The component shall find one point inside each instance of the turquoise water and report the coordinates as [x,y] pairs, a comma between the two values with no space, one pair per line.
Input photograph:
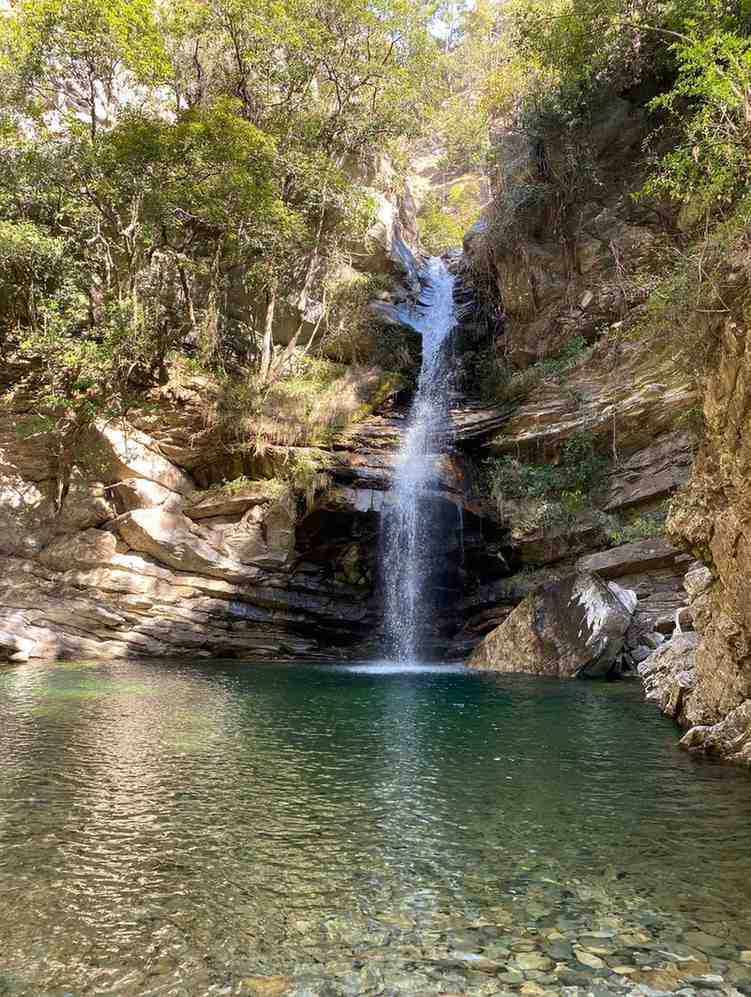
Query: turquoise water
[223,828]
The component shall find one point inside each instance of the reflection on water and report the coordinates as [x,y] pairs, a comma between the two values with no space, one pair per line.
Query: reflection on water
[175,829]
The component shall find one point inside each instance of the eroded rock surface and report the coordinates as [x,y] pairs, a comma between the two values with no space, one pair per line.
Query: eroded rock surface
[712,519]
[668,675]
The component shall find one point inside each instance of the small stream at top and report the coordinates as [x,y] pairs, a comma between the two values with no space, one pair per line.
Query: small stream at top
[410,546]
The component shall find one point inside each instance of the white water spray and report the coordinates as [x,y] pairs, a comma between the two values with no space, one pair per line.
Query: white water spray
[408,539]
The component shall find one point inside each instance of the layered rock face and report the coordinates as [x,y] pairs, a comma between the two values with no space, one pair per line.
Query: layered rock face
[632,392]
[713,520]
[584,285]
[141,563]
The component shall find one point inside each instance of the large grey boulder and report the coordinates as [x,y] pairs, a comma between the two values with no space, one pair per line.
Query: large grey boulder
[570,628]
[140,493]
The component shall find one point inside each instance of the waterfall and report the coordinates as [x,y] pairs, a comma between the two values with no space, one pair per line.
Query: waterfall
[409,544]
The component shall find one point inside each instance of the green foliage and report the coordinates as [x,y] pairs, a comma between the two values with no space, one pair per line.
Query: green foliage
[305,473]
[709,106]
[461,120]
[692,420]
[438,229]
[171,173]
[36,276]
[559,62]
[563,57]
[265,488]
[70,55]
[686,307]
[444,218]
[353,336]
[464,128]
[579,471]
[307,407]
[643,527]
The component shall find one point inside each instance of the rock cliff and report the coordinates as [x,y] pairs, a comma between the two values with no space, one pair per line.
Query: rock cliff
[712,519]
[629,342]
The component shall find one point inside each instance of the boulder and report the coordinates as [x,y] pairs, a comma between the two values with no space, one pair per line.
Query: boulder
[383,248]
[173,539]
[474,236]
[652,473]
[230,502]
[86,505]
[730,738]
[265,535]
[642,555]
[26,514]
[668,674]
[569,628]
[129,453]
[85,549]
[618,127]
[697,580]
[140,493]
[13,647]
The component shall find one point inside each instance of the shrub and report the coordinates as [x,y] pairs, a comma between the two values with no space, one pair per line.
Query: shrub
[709,106]
[350,333]
[578,473]
[642,528]
[304,409]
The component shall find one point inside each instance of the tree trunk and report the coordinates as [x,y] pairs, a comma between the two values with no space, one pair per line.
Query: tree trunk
[268,334]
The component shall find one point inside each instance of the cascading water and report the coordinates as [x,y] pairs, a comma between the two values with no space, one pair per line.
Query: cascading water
[408,540]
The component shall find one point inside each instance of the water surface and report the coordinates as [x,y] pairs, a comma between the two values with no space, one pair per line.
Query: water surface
[186,829]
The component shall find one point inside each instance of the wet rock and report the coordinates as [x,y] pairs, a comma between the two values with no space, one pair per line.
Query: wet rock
[13,647]
[729,738]
[532,961]
[559,949]
[572,628]
[511,976]
[589,959]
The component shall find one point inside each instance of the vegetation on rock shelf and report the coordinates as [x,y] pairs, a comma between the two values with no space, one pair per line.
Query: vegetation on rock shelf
[551,496]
